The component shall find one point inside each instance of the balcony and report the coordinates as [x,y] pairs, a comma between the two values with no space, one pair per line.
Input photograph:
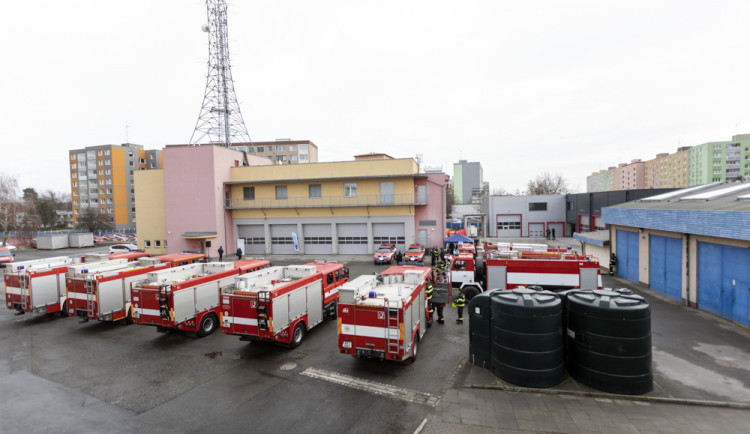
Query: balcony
[328,201]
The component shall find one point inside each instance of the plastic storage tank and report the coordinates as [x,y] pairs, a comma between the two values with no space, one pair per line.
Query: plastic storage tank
[480,326]
[608,340]
[527,341]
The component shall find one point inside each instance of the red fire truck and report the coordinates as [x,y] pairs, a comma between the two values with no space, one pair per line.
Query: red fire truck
[186,297]
[513,265]
[384,316]
[280,304]
[101,290]
[37,285]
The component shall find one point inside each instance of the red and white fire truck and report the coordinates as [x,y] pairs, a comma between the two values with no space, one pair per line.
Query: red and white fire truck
[101,290]
[384,316]
[513,265]
[280,304]
[186,297]
[37,285]
[176,259]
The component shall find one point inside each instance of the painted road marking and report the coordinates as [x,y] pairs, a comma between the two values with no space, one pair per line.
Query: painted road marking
[373,387]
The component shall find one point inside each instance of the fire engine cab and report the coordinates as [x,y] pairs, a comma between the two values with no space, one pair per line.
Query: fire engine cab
[186,297]
[37,285]
[280,304]
[384,316]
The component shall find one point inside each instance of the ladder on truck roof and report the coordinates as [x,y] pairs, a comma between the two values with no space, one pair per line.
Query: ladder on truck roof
[23,282]
[90,285]
[392,326]
[261,309]
[164,302]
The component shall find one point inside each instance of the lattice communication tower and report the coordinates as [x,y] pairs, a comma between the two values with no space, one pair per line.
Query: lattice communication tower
[220,120]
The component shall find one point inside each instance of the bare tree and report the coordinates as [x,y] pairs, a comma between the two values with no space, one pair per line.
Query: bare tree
[547,183]
[9,205]
[93,221]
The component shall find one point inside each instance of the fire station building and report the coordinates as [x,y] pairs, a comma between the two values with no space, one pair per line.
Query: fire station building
[206,196]
[692,245]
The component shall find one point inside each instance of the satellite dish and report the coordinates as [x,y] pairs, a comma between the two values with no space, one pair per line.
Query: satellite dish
[205,28]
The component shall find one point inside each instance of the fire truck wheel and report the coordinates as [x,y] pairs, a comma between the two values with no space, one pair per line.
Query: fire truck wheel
[208,325]
[298,335]
[470,292]
[414,350]
[64,311]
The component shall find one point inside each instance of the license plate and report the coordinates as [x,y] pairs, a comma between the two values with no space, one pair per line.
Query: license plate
[346,344]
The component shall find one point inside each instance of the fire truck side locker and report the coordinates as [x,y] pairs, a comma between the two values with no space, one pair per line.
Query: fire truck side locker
[190,302]
[497,277]
[47,290]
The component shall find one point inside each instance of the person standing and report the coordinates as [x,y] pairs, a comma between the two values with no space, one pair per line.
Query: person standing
[239,253]
[221,252]
[459,304]
[548,233]
[553,233]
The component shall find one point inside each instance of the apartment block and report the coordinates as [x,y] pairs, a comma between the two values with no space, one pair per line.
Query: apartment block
[282,151]
[721,161]
[668,170]
[101,178]
[467,177]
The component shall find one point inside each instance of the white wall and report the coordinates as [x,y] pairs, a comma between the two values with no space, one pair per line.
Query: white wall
[520,205]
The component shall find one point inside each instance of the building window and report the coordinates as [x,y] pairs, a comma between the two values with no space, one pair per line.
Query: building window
[142,160]
[72,156]
[157,243]
[73,166]
[148,243]
[350,190]
[537,206]
[303,147]
[315,190]
[248,193]
[107,162]
[292,148]
[260,148]
[280,148]
[281,158]
[293,158]
[303,157]
[101,162]
[281,192]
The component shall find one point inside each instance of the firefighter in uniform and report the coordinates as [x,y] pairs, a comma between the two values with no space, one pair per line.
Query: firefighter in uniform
[612,264]
[434,306]
[459,304]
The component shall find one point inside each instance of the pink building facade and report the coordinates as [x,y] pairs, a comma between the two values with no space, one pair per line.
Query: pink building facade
[194,178]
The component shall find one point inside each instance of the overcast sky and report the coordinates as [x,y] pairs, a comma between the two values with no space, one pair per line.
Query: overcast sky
[523,87]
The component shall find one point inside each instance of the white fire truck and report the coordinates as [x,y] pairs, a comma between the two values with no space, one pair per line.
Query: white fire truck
[186,297]
[280,304]
[37,285]
[384,316]
[101,290]
[512,265]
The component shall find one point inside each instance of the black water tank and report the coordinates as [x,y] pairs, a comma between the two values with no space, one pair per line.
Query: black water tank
[479,330]
[527,341]
[608,340]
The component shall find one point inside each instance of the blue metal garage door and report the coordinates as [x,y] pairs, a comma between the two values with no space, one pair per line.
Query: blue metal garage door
[627,255]
[724,281]
[665,265]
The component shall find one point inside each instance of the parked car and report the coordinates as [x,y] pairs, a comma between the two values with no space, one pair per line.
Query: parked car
[385,254]
[10,247]
[120,248]
[6,255]
[415,253]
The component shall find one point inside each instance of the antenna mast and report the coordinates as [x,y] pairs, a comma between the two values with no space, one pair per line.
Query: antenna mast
[220,120]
